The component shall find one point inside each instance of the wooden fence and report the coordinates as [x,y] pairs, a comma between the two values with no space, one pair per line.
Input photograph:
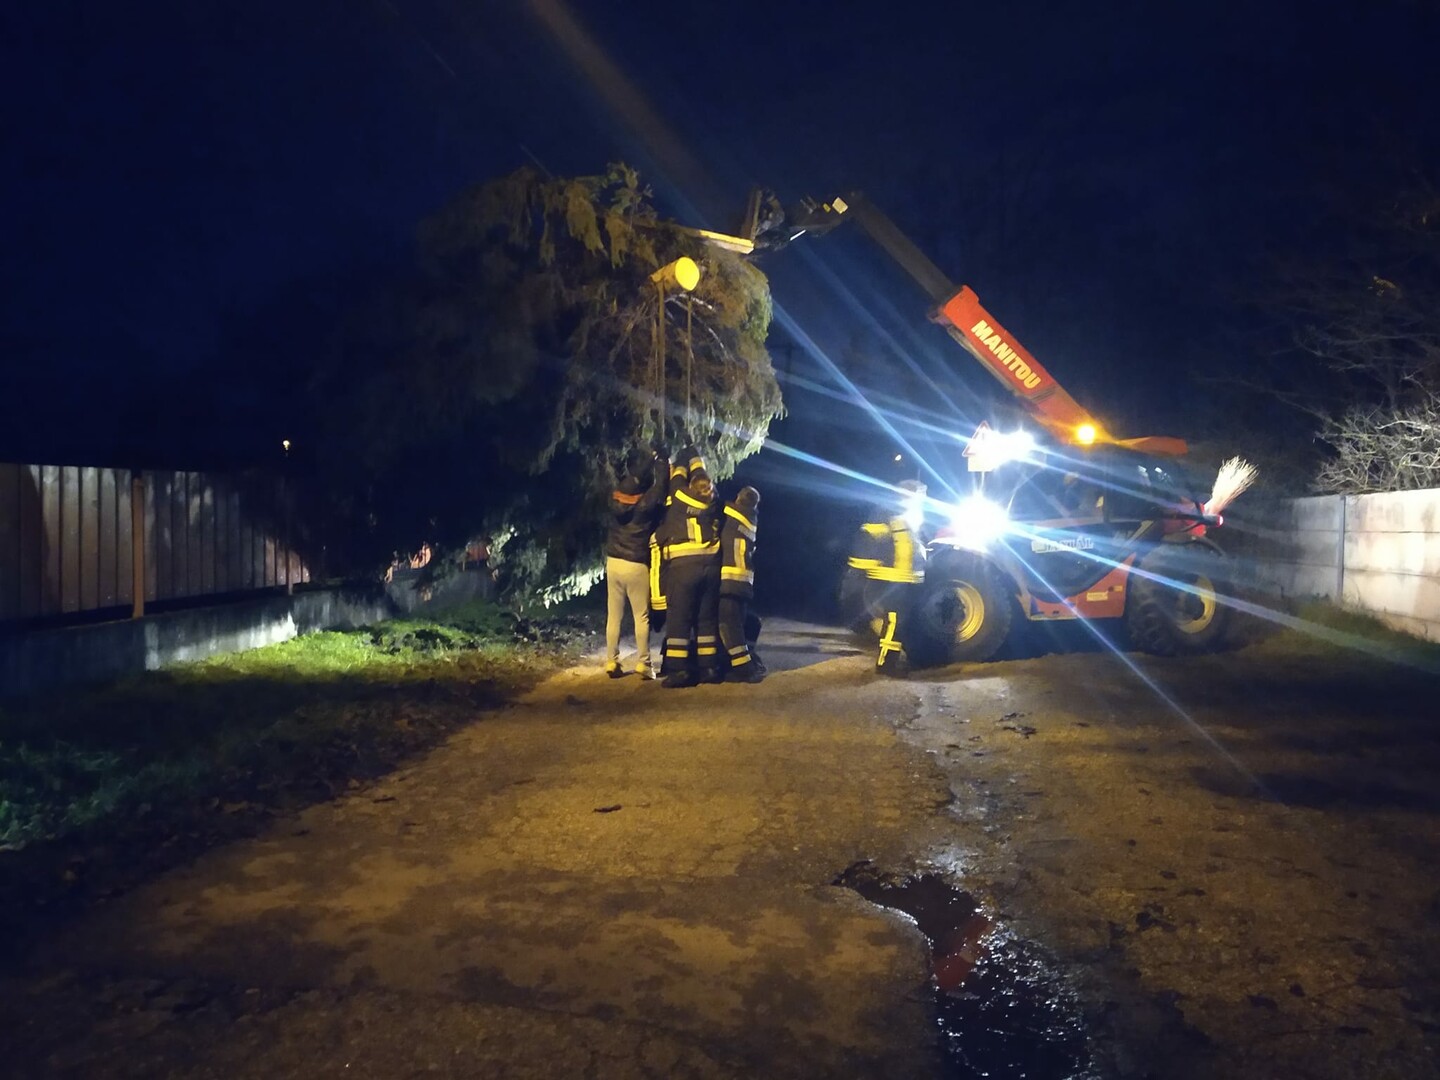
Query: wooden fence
[76,539]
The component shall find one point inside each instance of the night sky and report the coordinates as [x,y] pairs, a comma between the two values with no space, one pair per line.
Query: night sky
[193,191]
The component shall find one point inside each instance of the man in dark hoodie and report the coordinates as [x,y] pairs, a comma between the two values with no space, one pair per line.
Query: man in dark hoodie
[635,509]
[737,584]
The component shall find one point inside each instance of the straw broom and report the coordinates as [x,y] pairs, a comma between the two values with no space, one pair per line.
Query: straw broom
[1234,477]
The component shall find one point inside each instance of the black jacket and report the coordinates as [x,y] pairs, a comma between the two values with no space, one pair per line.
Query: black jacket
[887,550]
[633,518]
[737,551]
[691,526]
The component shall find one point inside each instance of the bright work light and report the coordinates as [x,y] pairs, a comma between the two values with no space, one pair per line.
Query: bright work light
[977,522]
[1016,446]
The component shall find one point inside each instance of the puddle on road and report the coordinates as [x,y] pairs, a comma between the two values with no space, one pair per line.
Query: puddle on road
[1002,1009]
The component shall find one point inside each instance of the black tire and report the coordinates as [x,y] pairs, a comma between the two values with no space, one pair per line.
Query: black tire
[862,604]
[965,612]
[1174,606]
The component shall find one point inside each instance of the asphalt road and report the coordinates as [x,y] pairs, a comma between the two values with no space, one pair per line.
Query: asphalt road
[1229,864]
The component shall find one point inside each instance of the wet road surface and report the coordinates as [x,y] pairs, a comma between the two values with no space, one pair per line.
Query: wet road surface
[610,879]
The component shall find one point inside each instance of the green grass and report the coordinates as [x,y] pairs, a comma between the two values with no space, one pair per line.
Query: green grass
[272,726]
[1335,638]
[1333,633]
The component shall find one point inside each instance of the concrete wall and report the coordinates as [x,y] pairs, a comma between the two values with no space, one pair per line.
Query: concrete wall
[1392,559]
[1379,554]
[411,591]
[73,656]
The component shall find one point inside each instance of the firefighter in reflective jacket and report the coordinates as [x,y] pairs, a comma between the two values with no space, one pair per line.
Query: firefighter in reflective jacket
[889,550]
[689,539]
[737,583]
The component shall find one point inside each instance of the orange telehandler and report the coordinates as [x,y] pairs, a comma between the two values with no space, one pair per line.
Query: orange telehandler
[1077,525]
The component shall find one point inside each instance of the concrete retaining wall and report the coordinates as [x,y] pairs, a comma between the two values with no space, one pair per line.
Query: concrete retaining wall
[1379,554]
[48,659]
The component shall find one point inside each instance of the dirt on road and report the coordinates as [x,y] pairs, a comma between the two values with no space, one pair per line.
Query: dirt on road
[1221,867]
[1236,855]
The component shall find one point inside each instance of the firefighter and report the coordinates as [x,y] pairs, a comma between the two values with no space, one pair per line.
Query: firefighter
[689,539]
[889,550]
[737,584]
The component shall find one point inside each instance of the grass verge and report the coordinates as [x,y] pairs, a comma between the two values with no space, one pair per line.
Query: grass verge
[100,787]
[1326,630]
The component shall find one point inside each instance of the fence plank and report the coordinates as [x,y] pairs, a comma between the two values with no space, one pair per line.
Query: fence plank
[158,523]
[272,562]
[124,553]
[204,505]
[88,522]
[151,541]
[69,538]
[179,536]
[105,581]
[257,534]
[9,542]
[220,497]
[32,542]
[237,538]
[287,574]
[194,537]
[247,534]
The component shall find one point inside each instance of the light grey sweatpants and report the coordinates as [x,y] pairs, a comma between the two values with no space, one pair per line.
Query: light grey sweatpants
[625,579]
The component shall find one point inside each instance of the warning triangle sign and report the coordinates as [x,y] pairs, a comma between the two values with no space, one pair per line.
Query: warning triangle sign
[979,442]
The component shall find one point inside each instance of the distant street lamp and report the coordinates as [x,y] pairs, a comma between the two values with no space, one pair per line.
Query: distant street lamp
[684,274]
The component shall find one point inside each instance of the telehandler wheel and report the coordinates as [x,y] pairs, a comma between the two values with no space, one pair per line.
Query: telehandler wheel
[964,613]
[862,604]
[1174,607]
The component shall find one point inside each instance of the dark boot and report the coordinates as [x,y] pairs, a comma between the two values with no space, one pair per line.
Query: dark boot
[746,673]
[894,665]
[679,679]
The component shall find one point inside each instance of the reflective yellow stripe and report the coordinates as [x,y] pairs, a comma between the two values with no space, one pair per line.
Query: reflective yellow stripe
[740,650]
[696,463]
[890,573]
[698,548]
[677,654]
[904,551]
[888,644]
[706,650]
[690,500]
[745,522]
[863,564]
[677,470]
[875,528]
[740,660]
[706,639]
[738,572]
[657,598]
